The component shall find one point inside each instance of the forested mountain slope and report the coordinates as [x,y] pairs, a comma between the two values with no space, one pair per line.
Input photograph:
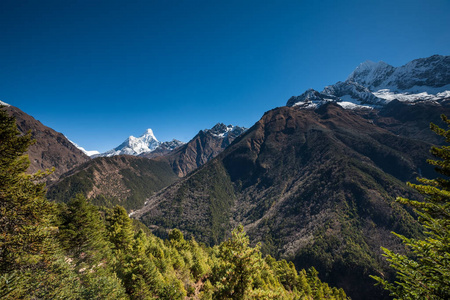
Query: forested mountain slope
[124,179]
[314,186]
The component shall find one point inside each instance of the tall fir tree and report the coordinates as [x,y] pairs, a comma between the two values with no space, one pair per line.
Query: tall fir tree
[425,274]
[24,213]
[31,265]
[82,234]
[239,264]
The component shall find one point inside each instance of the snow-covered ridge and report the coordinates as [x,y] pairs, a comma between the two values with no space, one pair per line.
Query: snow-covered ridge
[87,152]
[414,77]
[145,143]
[372,85]
[4,103]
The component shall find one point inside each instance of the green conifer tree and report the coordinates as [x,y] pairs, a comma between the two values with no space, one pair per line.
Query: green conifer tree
[239,264]
[83,235]
[426,275]
[120,229]
[31,263]
[24,212]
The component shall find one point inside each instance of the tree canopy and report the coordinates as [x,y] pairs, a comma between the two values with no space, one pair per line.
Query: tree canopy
[424,273]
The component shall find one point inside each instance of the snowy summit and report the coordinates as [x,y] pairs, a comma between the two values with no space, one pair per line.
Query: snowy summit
[374,84]
[147,142]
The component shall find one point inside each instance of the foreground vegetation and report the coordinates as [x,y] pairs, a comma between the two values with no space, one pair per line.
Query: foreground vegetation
[425,272]
[80,251]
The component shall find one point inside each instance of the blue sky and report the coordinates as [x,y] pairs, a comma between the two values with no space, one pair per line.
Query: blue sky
[99,71]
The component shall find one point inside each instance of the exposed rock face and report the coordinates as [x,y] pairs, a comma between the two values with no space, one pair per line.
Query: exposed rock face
[206,145]
[314,186]
[374,85]
[433,71]
[51,149]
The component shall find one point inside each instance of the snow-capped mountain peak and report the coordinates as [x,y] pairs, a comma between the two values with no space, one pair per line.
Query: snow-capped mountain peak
[147,142]
[370,73]
[374,84]
[148,135]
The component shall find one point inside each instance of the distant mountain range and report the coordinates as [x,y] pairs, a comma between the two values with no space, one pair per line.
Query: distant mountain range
[373,85]
[130,180]
[147,145]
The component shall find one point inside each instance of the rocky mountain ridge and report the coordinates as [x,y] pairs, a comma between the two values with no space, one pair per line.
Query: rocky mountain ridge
[51,149]
[124,180]
[130,180]
[203,147]
[373,85]
[147,145]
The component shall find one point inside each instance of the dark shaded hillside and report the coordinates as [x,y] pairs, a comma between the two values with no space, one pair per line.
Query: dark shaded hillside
[412,121]
[51,149]
[316,187]
[124,180]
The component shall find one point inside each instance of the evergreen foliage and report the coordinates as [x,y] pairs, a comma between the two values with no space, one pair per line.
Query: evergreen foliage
[425,272]
[30,259]
[24,213]
[80,251]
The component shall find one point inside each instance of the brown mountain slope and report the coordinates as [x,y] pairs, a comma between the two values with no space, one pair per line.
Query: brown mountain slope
[202,148]
[52,149]
[316,187]
[413,120]
[123,179]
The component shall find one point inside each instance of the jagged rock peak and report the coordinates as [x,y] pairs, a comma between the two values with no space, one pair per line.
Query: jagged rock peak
[170,145]
[373,85]
[310,99]
[222,130]
[369,72]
